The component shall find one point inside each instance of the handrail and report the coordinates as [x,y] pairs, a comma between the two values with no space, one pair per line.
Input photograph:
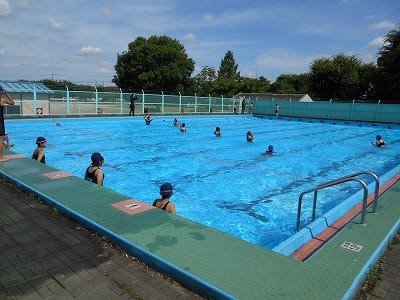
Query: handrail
[376,185]
[329,184]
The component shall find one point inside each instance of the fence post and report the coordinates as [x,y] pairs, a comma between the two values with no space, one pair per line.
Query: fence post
[222,104]
[329,109]
[377,111]
[120,98]
[162,102]
[142,102]
[34,100]
[195,102]
[180,103]
[97,101]
[290,104]
[209,103]
[67,100]
[352,111]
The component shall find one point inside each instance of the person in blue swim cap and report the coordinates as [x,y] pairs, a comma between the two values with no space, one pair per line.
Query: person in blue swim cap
[94,173]
[379,142]
[217,131]
[249,136]
[269,150]
[38,154]
[166,191]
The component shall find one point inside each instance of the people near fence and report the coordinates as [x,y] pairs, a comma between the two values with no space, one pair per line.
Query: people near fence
[166,191]
[276,109]
[39,154]
[251,108]
[182,128]
[148,119]
[132,105]
[235,109]
[6,142]
[94,173]
[177,122]
[5,98]
[379,142]
[269,151]
[217,131]
[249,136]
[243,105]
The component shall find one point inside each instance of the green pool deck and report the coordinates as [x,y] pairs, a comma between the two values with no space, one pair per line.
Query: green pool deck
[206,260]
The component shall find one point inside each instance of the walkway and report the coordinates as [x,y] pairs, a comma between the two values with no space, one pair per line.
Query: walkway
[46,256]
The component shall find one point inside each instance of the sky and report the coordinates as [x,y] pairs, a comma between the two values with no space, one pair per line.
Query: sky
[79,40]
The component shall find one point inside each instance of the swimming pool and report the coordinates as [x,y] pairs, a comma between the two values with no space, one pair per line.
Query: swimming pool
[221,182]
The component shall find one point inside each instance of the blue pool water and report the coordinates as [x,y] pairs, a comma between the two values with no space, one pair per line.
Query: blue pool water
[221,182]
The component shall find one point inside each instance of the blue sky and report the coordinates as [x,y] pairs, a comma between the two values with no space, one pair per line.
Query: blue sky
[79,40]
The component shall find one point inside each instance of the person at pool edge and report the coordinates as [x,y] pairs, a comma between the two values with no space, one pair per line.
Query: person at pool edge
[249,136]
[177,122]
[6,142]
[379,142]
[166,191]
[276,109]
[38,154]
[269,150]
[217,131]
[5,98]
[94,173]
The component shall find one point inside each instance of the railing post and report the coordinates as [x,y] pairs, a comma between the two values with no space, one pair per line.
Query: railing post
[314,207]
[180,103]
[352,111]
[377,111]
[209,103]
[142,102]
[329,109]
[34,99]
[222,104]
[162,102]
[120,97]
[68,112]
[97,101]
[195,102]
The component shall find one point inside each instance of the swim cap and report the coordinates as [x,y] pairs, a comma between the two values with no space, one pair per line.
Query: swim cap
[217,128]
[378,137]
[249,133]
[166,190]
[96,157]
[270,148]
[40,140]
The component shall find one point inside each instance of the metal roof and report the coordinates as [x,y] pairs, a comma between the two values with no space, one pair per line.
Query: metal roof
[21,87]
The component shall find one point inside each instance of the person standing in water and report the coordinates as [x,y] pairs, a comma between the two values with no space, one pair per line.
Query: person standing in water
[38,154]
[94,173]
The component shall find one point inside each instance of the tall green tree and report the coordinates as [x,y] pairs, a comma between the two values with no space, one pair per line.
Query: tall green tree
[336,78]
[228,67]
[158,63]
[291,84]
[388,81]
[254,85]
[204,80]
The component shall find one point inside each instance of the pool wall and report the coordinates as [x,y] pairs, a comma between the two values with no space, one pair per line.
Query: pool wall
[366,112]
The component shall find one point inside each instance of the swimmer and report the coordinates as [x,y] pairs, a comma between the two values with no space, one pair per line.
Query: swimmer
[379,142]
[94,173]
[217,131]
[38,154]
[183,127]
[269,150]
[166,191]
[148,119]
[249,136]
[176,122]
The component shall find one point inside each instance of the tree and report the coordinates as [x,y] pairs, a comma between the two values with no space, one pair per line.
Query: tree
[228,67]
[204,80]
[388,81]
[291,84]
[254,85]
[156,63]
[336,78]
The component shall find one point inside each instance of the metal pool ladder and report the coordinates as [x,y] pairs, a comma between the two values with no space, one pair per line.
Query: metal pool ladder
[351,177]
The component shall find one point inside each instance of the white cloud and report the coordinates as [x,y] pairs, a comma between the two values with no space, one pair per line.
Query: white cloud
[2,51]
[284,60]
[208,17]
[5,9]
[90,50]
[189,37]
[383,25]
[56,24]
[107,12]
[378,42]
